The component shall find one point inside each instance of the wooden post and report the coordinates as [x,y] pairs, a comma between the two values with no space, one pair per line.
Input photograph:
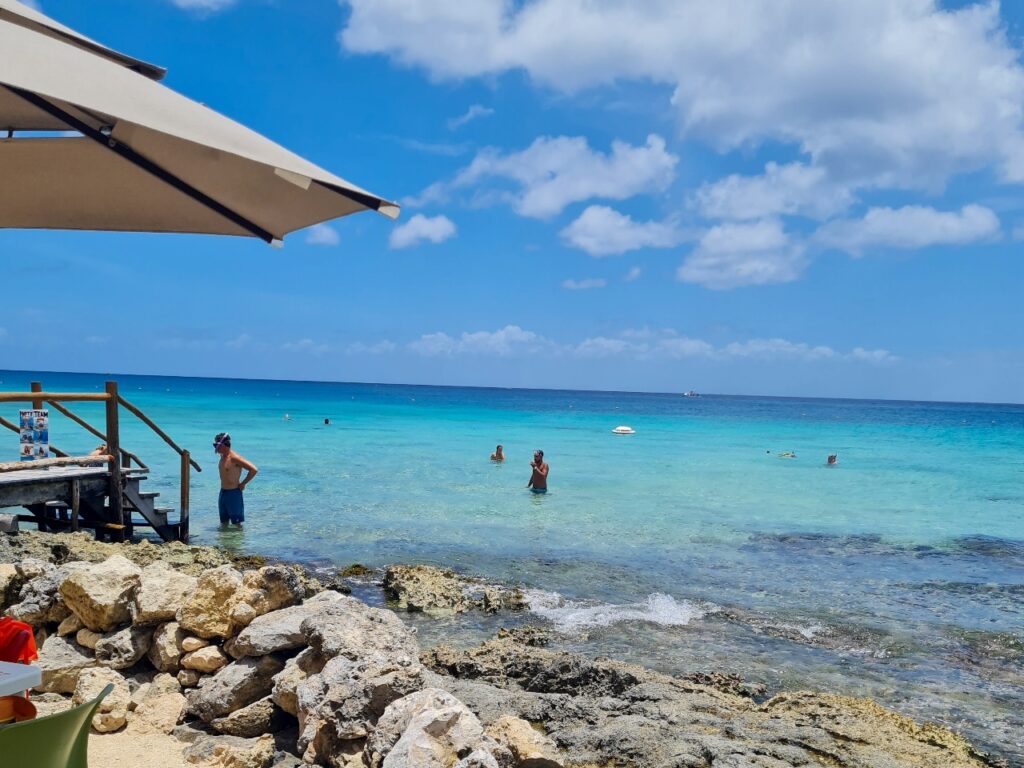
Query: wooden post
[76,498]
[114,449]
[36,387]
[186,469]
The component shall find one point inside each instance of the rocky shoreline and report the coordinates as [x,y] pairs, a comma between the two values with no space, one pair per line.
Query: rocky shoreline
[254,665]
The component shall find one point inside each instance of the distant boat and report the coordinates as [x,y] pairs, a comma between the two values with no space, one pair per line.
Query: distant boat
[623,430]
[690,393]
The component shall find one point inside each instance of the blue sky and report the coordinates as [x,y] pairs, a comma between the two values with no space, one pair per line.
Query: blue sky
[730,196]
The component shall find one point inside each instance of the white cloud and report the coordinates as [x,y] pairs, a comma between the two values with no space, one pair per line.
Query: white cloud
[307,346]
[793,189]
[474,112]
[322,234]
[503,342]
[769,349]
[239,342]
[633,274]
[872,355]
[912,226]
[378,348]
[204,6]
[420,228]
[937,91]
[554,172]
[736,254]
[586,284]
[603,231]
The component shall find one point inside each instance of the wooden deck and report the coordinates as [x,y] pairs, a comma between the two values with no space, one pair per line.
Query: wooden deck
[38,486]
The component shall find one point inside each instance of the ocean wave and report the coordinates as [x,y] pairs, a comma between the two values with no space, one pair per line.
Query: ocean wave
[572,615]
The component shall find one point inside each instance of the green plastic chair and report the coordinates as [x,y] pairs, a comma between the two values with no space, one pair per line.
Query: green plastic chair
[55,741]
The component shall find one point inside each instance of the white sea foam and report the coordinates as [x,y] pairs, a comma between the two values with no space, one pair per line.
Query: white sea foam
[657,608]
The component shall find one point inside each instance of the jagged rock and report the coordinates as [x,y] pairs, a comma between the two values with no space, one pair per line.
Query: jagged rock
[113,710]
[40,601]
[10,584]
[231,752]
[481,758]
[189,678]
[206,660]
[61,661]
[158,706]
[165,650]
[69,626]
[207,611]
[428,729]
[190,644]
[120,650]
[279,630]
[233,687]
[529,747]
[161,591]
[257,718]
[101,594]
[424,588]
[88,639]
[268,589]
[287,681]
[345,626]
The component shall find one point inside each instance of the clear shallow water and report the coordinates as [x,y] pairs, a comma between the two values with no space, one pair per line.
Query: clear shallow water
[898,574]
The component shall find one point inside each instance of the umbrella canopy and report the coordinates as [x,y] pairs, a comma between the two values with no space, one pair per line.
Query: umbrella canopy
[141,156]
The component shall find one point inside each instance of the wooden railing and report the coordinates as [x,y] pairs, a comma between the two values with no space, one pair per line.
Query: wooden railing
[111,436]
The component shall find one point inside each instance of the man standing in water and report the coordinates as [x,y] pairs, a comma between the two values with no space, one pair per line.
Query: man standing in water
[230,502]
[539,479]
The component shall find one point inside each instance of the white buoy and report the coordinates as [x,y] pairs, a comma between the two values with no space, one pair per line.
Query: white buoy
[623,430]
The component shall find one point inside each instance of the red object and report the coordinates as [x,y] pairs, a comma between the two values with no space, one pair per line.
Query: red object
[17,644]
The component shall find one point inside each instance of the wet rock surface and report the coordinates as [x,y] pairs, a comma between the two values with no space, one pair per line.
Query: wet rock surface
[432,590]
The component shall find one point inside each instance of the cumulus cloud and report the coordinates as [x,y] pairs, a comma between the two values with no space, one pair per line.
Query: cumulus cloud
[736,254]
[795,189]
[474,112]
[204,6]
[554,172]
[912,226]
[586,284]
[322,234]
[503,342]
[603,231]
[633,274]
[938,91]
[420,228]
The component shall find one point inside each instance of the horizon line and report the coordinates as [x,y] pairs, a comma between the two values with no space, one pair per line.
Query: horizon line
[511,389]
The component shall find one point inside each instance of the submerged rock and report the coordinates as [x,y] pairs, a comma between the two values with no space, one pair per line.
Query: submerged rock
[424,588]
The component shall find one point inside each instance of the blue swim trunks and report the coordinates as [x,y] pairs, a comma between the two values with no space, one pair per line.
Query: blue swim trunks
[538,490]
[231,506]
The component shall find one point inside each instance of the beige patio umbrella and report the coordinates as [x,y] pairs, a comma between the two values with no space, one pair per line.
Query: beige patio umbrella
[134,155]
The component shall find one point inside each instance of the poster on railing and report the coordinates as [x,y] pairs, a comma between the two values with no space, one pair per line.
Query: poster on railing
[34,434]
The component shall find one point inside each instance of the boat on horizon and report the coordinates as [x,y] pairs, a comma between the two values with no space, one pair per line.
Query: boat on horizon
[690,393]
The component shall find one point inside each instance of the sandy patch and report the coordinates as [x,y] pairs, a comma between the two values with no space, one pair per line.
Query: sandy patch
[130,748]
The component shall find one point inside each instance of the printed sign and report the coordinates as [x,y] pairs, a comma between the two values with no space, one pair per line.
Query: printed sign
[35,434]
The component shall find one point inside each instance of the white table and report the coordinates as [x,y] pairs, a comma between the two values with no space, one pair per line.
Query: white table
[17,678]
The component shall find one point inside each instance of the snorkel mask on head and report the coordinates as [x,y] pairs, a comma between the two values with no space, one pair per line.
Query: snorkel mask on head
[222,439]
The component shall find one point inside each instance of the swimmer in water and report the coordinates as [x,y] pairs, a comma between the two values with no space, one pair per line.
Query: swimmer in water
[499,454]
[833,459]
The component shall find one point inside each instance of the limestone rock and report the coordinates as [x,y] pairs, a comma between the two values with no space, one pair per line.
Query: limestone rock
[70,626]
[424,588]
[231,752]
[429,729]
[529,747]
[101,594]
[189,678]
[233,687]
[347,627]
[279,630]
[481,758]
[207,611]
[165,651]
[10,584]
[40,601]
[268,589]
[113,710]
[287,681]
[123,649]
[161,592]
[206,660]
[253,720]
[190,644]
[159,706]
[61,661]
[87,638]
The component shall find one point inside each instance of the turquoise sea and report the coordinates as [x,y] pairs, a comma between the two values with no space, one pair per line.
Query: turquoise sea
[690,545]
